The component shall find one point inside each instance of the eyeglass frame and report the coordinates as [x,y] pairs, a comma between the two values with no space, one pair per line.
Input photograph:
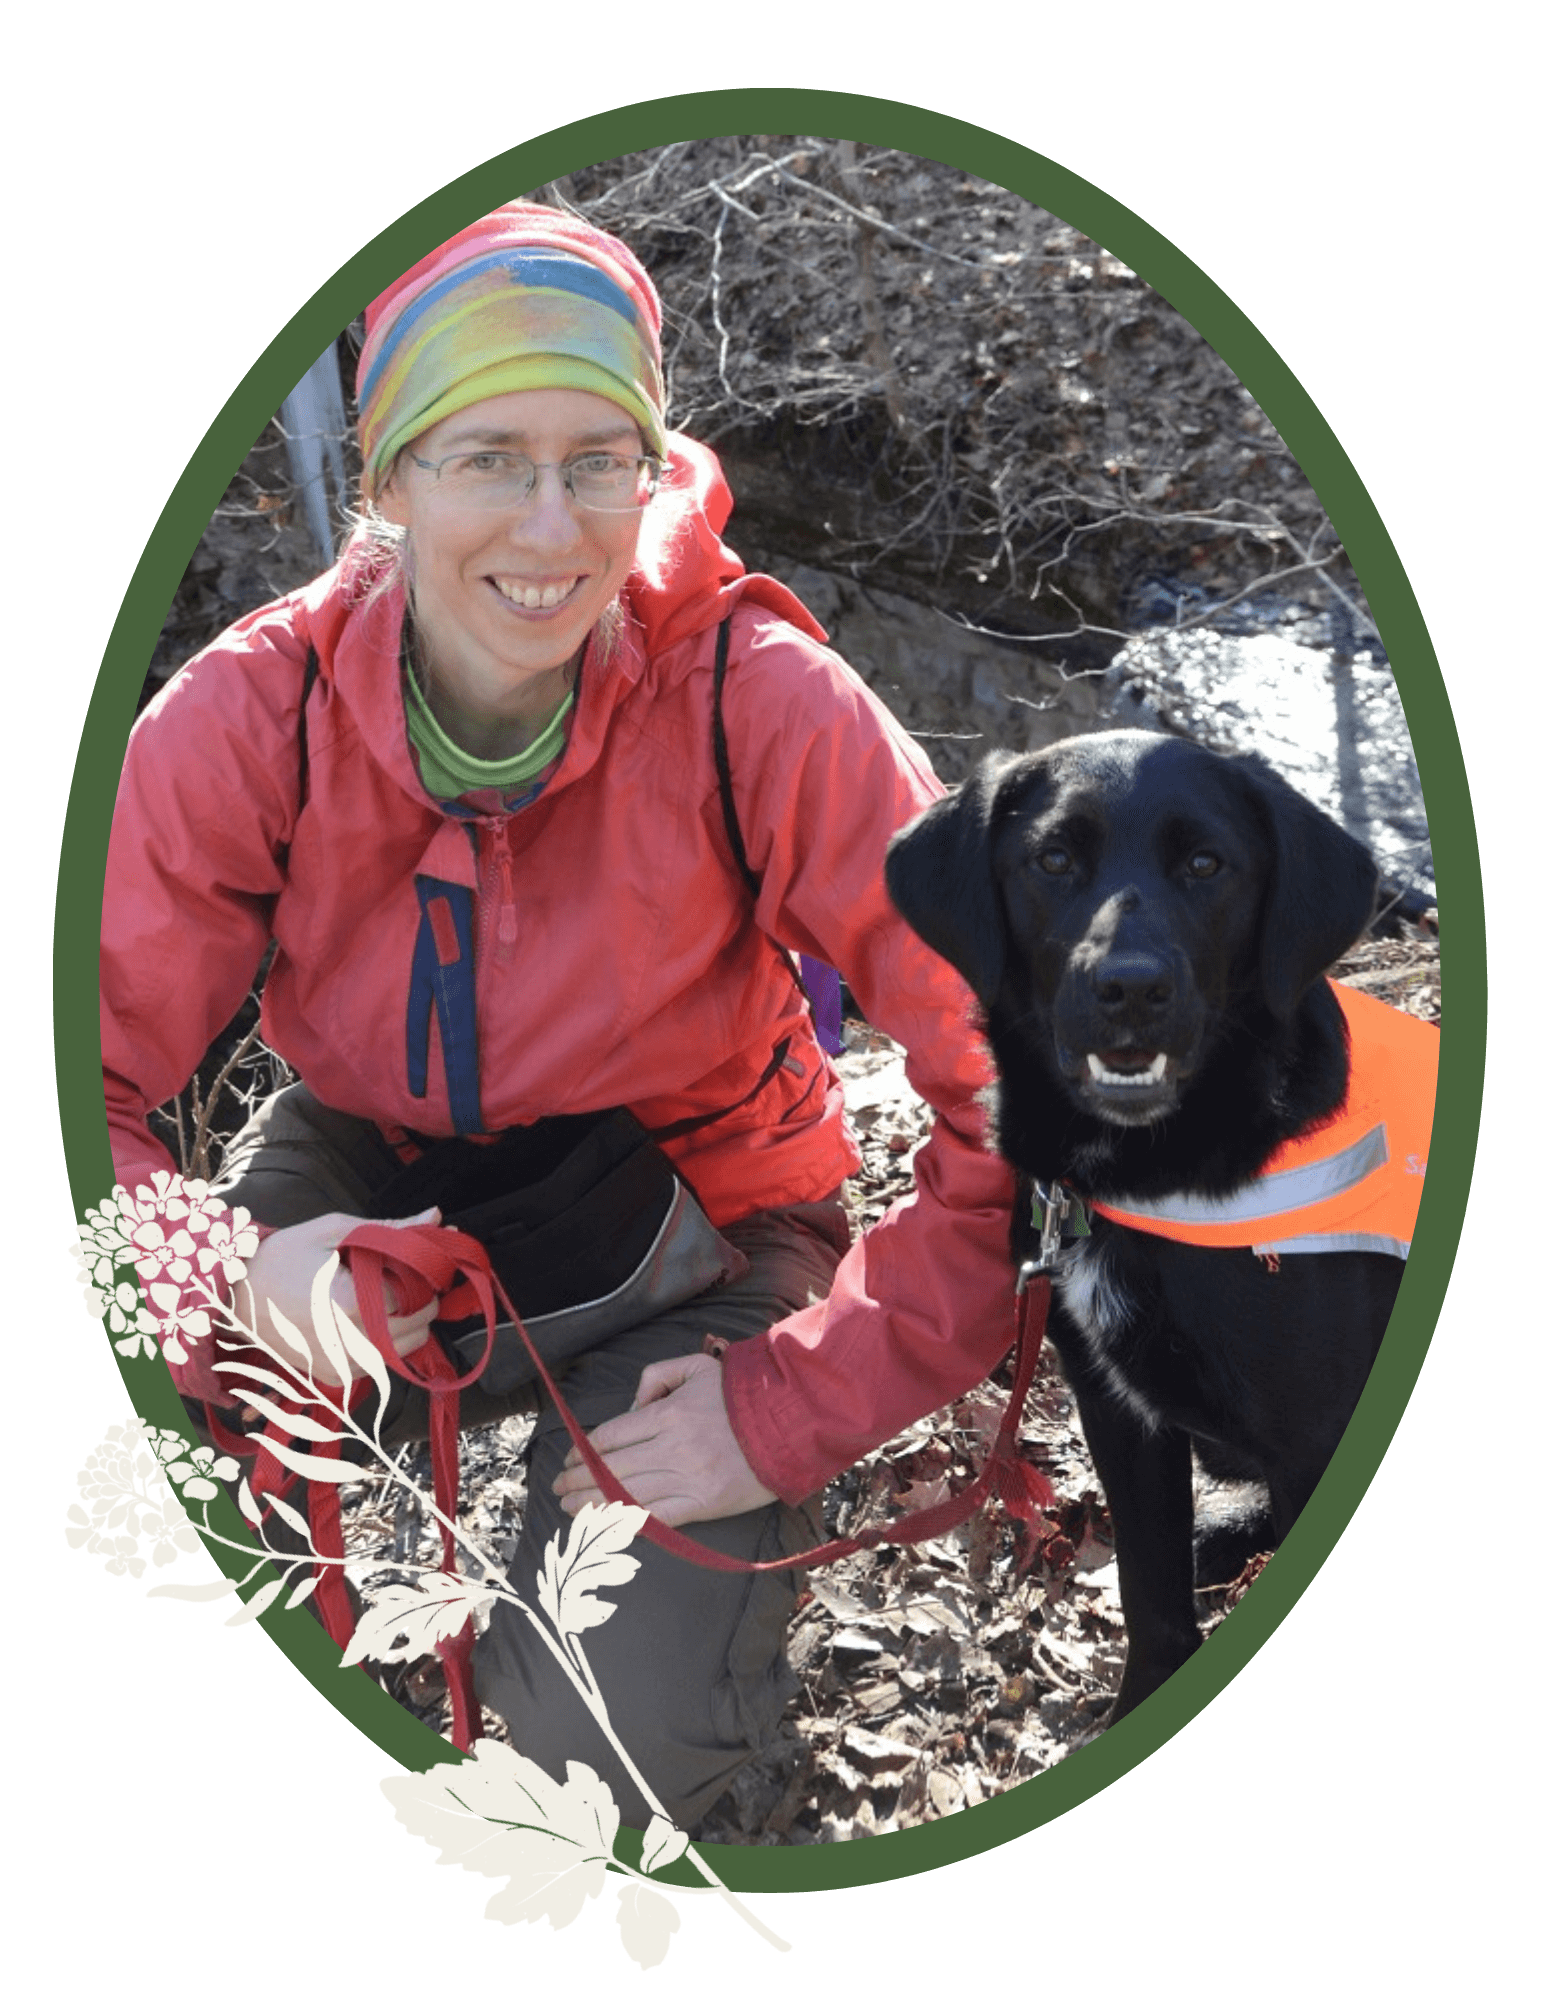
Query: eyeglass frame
[564,469]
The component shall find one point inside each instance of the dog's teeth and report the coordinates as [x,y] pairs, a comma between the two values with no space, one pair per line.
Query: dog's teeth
[1154,1073]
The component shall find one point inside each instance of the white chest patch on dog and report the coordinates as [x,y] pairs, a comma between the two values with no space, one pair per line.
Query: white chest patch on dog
[1091,1296]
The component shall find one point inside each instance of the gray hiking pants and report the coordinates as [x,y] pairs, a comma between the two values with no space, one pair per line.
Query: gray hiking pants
[691,1664]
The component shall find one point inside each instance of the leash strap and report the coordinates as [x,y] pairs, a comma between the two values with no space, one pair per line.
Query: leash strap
[430,1266]
[1022,1488]
[447,1263]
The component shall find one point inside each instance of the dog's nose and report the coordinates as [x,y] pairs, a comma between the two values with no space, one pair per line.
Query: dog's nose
[1133,981]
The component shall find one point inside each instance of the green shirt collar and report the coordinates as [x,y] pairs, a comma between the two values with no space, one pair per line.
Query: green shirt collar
[447,770]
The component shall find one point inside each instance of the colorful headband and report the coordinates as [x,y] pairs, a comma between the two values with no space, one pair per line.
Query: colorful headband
[525,298]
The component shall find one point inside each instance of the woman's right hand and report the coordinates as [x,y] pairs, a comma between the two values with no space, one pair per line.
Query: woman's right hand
[284,1270]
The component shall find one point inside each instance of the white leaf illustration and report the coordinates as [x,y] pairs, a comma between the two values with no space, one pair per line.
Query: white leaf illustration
[324,1320]
[335,1469]
[648,1922]
[302,1591]
[291,1420]
[257,1604]
[498,1813]
[289,1336]
[407,1620]
[194,1593]
[593,1559]
[242,1372]
[364,1354]
[292,1515]
[663,1844]
[246,1503]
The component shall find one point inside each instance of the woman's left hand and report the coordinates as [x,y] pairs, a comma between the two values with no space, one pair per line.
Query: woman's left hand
[674,1450]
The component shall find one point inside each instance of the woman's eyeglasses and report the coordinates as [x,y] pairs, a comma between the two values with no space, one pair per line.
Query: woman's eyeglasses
[607,481]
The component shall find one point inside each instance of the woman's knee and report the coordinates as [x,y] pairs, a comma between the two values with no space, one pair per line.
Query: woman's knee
[690,1666]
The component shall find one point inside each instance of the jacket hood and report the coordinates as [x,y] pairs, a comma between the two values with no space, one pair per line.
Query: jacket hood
[685,579]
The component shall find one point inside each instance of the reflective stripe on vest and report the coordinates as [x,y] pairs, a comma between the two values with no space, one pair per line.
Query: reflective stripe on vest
[1353,1184]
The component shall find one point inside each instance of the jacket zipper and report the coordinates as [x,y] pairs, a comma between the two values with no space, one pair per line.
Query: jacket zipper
[498,924]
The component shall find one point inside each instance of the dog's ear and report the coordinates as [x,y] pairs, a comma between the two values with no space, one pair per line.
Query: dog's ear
[940,876]
[1321,896]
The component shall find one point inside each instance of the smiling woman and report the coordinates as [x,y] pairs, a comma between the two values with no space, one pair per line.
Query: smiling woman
[535,795]
[507,589]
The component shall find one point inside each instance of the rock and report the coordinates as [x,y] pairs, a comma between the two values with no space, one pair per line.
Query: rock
[851,1649]
[874,1753]
[1329,720]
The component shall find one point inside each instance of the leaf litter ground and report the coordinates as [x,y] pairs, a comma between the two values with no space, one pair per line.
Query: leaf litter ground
[930,1678]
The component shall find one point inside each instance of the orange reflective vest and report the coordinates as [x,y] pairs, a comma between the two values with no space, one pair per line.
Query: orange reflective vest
[1352,1184]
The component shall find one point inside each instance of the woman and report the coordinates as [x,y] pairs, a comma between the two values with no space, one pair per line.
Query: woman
[511,892]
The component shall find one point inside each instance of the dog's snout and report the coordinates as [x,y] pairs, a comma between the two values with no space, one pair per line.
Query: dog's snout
[1126,988]
[1124,975]
[1132,981]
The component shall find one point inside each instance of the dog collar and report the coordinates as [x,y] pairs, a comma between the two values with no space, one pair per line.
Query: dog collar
[1055,1212]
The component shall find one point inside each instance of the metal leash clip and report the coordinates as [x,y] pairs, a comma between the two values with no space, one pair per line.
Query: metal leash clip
[1052,1209]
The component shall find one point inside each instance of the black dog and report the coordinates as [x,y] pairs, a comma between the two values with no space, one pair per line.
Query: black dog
[1146,924]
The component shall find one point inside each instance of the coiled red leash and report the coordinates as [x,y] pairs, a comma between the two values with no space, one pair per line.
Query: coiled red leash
[421,1265]
[425,1262]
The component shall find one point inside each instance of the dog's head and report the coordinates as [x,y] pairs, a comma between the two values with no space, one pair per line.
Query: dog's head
[1113,899]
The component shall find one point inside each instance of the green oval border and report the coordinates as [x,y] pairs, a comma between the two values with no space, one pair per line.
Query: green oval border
[908,128]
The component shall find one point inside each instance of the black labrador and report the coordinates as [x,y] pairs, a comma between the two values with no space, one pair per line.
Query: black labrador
[1147,924]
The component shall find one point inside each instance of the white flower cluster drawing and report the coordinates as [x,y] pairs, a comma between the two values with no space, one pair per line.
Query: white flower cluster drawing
[127,1484]
[173,1233]
[147,1489]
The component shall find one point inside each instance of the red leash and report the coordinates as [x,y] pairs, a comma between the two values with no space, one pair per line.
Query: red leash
[422,1264]
[446,1263]
[1021,1487]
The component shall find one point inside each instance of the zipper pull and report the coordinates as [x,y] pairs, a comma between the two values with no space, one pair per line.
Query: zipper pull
[507,925]
[507,922]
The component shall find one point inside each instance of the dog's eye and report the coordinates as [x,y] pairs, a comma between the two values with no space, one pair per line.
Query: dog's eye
[1203,864]
[1054,860]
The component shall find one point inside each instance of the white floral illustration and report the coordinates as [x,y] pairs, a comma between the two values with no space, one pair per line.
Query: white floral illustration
[592,1560]
[126,1484]
[131,1324]
[500,1814]
[158,1255]
[648,1922]
[169,1233]
[146,1493]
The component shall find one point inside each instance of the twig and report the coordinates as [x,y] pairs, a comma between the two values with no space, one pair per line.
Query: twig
[873,221]
[1041,1656]
[724,332]
[198,1168]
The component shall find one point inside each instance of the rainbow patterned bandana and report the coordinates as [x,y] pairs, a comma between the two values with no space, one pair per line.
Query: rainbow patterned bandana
[525,298]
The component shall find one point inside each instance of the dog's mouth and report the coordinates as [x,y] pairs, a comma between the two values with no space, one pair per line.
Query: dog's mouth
[1126,1069]
[1127,1086]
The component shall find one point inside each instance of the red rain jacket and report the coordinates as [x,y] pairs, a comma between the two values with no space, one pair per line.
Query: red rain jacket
[611,942]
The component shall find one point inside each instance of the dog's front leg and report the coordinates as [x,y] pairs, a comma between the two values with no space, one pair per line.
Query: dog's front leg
[1146,1474]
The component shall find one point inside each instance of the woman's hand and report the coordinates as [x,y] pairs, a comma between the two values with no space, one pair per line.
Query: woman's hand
[674,1450]
[285,1268]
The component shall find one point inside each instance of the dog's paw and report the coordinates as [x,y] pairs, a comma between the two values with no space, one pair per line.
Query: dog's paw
[1233,1525]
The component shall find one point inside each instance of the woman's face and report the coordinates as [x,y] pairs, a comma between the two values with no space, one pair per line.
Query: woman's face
[506,597]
